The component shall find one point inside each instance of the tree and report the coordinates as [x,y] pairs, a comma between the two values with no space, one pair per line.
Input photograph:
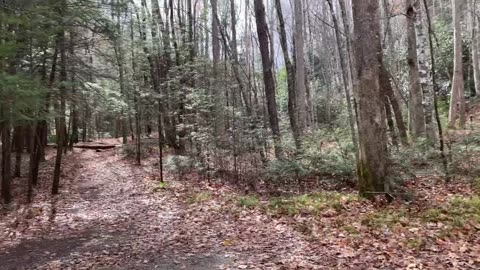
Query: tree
[457,96]
[372,163]
[475,47]
[344,70]
[424,71]
[300,88]
[268,80]
[290,76]
[217,90]
[416,117]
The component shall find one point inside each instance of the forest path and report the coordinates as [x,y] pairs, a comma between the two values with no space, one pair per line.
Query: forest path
[108,216]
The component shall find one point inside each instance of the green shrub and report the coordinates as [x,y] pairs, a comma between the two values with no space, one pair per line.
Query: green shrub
[179,164]
[285,169]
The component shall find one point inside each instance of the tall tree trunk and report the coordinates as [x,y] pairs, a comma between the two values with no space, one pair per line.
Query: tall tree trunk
[236,64]
[373,156]
[390,122]
[300,88]
[18,138]
[290,76]
[387,89]
[416,117]
[218,95]
[435,90]
[344,70]
[60,105]
[6,155]
[457,98]
[74,100]
[475,48]
[269,82]
[33,163]
[424,71]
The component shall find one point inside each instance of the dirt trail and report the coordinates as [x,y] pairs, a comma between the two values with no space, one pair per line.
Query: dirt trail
[107,217]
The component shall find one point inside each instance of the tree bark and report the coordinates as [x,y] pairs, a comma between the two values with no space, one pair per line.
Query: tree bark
[344,70]
[60,105]
[6,156]
[300,88]
[290,76]
[457,96]
[218,95]
[475,48]
[387,89]
[269,83]
[373,156]
[424,71]
[18,138]
[416,116]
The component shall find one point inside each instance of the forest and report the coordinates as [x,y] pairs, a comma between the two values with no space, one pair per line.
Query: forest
[240,134]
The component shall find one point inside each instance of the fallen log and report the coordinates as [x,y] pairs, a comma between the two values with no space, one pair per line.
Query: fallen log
[95,146]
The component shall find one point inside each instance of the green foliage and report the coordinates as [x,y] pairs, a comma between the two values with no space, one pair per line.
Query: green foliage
[179,164]
[476,184]
[387,218]
[161,186]
[323,153]
[248,201]
[463,155]
[285,169]
[444,51]
[282,91]
[200,197]
[311,204]
[21,96]
[418,155]
[458,212]
[147,148]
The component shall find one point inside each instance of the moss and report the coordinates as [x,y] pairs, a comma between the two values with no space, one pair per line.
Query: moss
[368,184]
[457,213]
[416,243]
[476,185]
[160,186]
[311,204]
[351,229]
[433,215]
[200,197]
[386,218]
[248,201]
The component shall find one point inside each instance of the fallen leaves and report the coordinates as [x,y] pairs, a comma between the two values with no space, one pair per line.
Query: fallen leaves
[114,215]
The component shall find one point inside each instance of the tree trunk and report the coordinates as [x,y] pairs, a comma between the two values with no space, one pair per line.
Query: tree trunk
[416,117]
[344,70]
[373,156]
[73,102]
[290,76]
[60,105]
[269,82]
[18,138]
[33,149]
[457,98]
[6,157]
[475,47]
[387,89]
[424,72]
[300,88]
[435,90]
[218,95]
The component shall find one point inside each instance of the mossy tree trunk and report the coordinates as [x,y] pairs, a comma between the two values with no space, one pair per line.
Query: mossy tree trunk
[372,162]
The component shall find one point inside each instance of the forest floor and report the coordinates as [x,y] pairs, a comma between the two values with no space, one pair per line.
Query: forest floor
[112,214]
